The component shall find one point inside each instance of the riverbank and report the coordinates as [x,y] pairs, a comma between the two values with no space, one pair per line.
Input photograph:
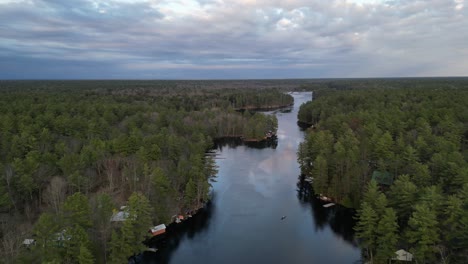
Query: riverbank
[254,188]
[264,108]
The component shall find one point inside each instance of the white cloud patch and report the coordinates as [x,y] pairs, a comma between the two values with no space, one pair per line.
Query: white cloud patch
[277,38]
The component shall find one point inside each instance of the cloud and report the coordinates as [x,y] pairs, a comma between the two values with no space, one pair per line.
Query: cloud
[226,39]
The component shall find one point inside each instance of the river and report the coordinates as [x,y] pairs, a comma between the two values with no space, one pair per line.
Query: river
[254,189]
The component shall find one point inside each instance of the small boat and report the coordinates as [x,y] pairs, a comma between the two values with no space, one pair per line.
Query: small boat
[150,249]
[158,230]
[324,198]
[328,205]
[309,180]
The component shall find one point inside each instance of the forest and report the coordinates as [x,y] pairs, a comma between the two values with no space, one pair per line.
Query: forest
[73,152]
[397,151]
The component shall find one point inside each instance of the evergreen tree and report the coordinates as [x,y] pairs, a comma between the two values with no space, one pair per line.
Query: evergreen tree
[366,228]
[45,231]
[190,193]
[375,198]
[74,238]
[423,233]
[372,193]
[85,256]
[455,230]
[402,195]
[76,211]
[134,229]
[387,236]
[117,251]
[320,175]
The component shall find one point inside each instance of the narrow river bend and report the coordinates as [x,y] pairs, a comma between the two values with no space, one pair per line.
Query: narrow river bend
[243,223]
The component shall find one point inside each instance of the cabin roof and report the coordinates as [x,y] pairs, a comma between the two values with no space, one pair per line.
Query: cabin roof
[403,255]
[383,177]
[158,227]
[119,216]
[28,241]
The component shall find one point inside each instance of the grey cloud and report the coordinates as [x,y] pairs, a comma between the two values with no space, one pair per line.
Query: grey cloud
[295,38]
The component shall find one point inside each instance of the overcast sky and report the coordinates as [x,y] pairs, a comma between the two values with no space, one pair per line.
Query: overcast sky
[221,39]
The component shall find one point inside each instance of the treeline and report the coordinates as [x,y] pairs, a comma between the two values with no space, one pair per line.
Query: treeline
[413,143]
[72,149]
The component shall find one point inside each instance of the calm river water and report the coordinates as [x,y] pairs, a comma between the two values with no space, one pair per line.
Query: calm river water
[243,223]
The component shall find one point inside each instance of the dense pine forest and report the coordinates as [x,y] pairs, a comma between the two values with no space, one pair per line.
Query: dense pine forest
[73,152]
[396,150]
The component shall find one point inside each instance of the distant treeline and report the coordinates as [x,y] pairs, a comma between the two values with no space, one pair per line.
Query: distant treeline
[73,152]
[413,143]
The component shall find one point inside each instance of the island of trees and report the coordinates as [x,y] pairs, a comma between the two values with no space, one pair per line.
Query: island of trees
[73,152]
[397,151]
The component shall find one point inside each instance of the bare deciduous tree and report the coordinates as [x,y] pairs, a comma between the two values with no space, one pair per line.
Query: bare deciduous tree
[55,192]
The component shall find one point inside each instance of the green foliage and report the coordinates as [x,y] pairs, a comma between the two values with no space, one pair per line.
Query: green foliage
[75,239]
[423,232]
[366,227]
[128,240]
[117,253]
[414,130]
[45,230]
[76,211]
[190,192]
[387,236]
[402,195]
[119,137]
[85,256]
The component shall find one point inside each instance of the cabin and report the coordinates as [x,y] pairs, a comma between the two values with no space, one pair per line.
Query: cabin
[28,242]
[403,255]
[383,178]
[158,230]
[119,216]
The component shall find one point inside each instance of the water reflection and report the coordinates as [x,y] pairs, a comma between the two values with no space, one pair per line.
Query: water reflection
[256,186]
[338,218]
[221,143]
[176,233]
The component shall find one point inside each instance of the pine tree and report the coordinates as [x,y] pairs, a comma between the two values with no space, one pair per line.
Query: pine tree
[76,211]
[423,232]
[74,238]
[433,197]
[190,193]
[455,230]
[387,236]
[130,244]
[85,256]
[372,193]
[375,198]
[402,195]
[366,228]
[117,254]
[320,174]
[45,231]
[138,222]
